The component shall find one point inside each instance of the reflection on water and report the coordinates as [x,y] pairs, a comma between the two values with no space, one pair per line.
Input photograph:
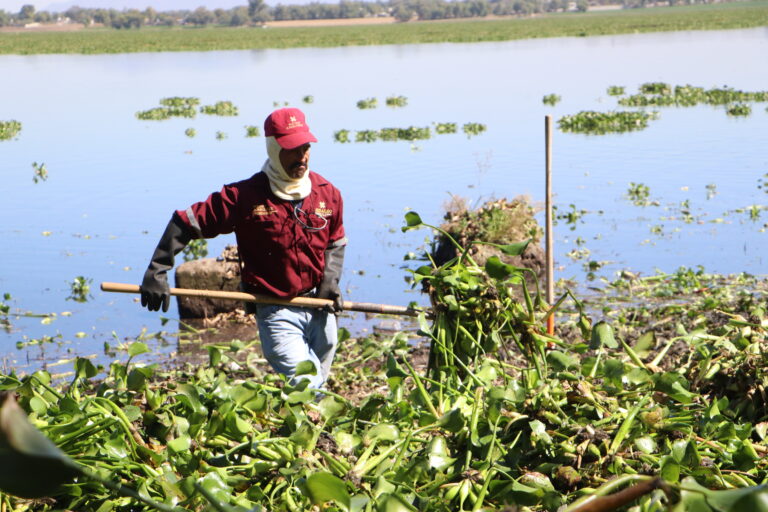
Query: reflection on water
[114,181]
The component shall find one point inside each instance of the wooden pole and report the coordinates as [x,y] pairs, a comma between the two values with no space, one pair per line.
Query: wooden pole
[548,223]
[305,302]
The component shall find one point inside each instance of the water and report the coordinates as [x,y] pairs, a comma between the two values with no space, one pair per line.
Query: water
[114,180]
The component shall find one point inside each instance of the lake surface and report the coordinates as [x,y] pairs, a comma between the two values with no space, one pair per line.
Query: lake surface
[114,180]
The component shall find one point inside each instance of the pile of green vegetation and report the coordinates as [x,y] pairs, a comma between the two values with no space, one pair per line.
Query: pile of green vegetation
[665,392]
[9,129]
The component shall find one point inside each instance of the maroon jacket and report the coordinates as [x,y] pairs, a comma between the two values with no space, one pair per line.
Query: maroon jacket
[281,255]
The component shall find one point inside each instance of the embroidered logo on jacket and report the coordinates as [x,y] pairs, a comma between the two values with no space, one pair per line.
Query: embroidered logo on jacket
[262,209]
[322,211]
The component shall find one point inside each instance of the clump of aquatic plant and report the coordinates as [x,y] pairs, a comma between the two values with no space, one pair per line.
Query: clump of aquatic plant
[180,102]
[367,103]
[598,123]
[366,136]
[615,90]
[9,129]
[471,129]
[639,194]
[154,114]
[664,95]
[443,128]
[252,131]
[660,88]
[221,135]
[409,133]
[551,99]
[738,109]
[571,216]
[190,132]
[196,249]
[40,172]
[308,99]
[220,108]
[180,106]
[341,136]
[175,106]
[80,289]
[397,101]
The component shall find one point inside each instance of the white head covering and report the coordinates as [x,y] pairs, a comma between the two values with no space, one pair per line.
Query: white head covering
[282,185]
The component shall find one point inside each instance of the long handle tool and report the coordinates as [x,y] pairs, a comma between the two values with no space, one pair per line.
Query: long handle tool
[305,302]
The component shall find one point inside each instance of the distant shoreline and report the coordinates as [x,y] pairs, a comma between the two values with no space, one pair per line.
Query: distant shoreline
[382,31]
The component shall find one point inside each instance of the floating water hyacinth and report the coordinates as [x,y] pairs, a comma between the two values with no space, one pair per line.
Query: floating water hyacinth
[367,103]
[220,108]
[471,129]
[252,131]
[190,132]
[9,129]
[661,94]
[40,172]
[341,136]
[397,101]
[739,109]
[597,123]
[615,90]
[551,99]
[308,99]
[445,128]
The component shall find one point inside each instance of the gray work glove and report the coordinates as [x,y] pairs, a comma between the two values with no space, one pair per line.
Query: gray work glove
[329,286]
[155,292]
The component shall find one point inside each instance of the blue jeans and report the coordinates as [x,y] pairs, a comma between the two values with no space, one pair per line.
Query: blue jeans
[290,335]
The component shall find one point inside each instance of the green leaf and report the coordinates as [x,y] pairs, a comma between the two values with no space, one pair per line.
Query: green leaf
[189,394]
[646,444]
[180,444]
[561,361]
[214,355]
[497,269]
[306,368]
[439,456]
[452,421]
[137,348]
[330,407]
[394,503]
[730,500]
[674,385]
[670,469]
[31,466]
[84,368]
[602,336]
[324,487]
[412,220]
[514,249]
[383,432]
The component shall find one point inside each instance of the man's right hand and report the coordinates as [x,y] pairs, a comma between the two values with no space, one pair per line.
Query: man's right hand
[155,291]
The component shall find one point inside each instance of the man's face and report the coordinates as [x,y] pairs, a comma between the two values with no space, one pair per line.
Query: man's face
[295,161]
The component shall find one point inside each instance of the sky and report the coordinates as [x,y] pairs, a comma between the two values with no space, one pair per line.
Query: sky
[158,5]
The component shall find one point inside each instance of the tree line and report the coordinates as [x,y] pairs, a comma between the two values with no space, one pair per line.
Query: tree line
[256,12]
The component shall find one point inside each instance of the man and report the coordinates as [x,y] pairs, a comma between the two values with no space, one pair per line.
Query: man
[290,237]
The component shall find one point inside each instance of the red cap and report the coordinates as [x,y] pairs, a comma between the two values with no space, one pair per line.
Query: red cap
[288,127]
